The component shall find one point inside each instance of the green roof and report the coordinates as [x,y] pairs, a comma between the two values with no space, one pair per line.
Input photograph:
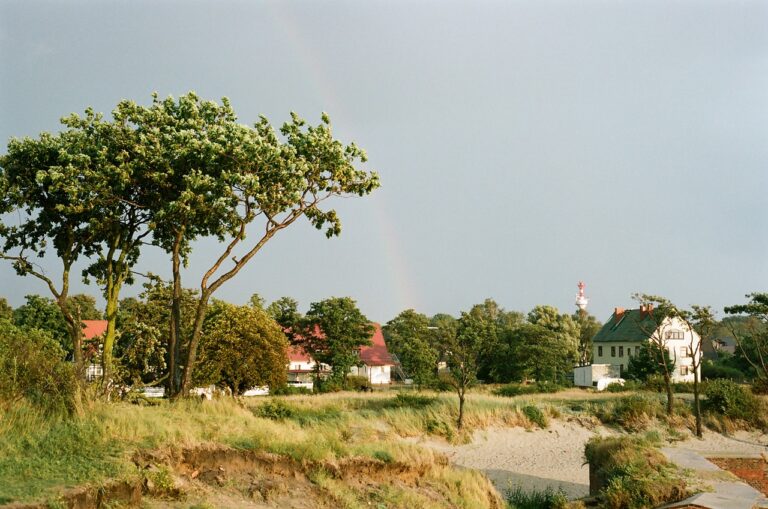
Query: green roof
[629,327]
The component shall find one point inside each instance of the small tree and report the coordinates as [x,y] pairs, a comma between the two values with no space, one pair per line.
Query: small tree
[654,321]
[589,326]
[699,320]
[752,336]
[242,348]
[645,364]
[332,332]
[285,311]
[462,353]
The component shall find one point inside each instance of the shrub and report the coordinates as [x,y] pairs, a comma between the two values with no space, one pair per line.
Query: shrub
[516,389]
[655,383]
[357,383]
[535,415]
[274,409]
[405,400]
[629,385]
[631,474]
[289,390]
[32,368]
[760,386]
[545,499]
[712,371]
[730,399]
[632,413]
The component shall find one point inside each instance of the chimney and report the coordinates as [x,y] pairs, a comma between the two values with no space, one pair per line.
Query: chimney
[618,313]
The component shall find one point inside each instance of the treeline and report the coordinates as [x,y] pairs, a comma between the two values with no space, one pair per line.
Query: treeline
[504,345]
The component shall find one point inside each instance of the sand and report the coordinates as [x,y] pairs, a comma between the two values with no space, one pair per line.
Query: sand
[554,457]
[536,459]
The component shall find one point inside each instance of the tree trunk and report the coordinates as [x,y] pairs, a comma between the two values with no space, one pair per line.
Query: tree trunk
[696,401]
[670,396]
[460,421]
[194,340]
[112,294]
[174,334]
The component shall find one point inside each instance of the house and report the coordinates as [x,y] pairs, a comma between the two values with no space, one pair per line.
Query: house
[375,362]
[627,329]
[93,329]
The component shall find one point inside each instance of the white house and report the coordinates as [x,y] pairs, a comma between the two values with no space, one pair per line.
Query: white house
[627,329]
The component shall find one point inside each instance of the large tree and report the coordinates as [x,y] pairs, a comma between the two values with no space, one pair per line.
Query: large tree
[410,338]
[220,178]
[332,332]
[241,348]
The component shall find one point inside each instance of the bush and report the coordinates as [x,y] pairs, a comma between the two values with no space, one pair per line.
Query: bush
[629,385]
[655,383]
[546,499]
[631,473]
[536,416]
[32,368]
[357,383]
[274,409]
[632,413]
[289,390]
[516,389]
[713,371]
[730,399]
[760,386]
[405,400]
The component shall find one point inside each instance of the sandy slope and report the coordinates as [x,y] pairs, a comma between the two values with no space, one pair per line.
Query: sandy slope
[532,459]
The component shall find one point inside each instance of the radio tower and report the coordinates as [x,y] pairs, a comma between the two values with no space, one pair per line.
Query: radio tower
[581,299]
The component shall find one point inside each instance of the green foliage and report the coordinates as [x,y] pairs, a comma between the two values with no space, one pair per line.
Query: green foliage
[406,400]
[332,332]
[289,390]
[589,326]
[285,311]
[516,389]
[357,383]
[548,498]
[632,473]
[32,368]
[752,334]
[732,400]
[6,311]
[711,370]
[409,337]
[242,347]
[42,313]
[275,409]
[646,363]
[535,415]
[627,386]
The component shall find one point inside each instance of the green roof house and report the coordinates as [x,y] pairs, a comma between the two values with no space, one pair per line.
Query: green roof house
[627,329]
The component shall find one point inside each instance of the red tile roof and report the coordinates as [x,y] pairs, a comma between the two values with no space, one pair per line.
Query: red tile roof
[376,354]
[94,328]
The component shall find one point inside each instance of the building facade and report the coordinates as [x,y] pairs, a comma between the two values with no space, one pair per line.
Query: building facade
[627,329]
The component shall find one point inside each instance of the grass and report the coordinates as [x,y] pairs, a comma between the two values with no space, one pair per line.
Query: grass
[517,498]
[632,472]
[40,455]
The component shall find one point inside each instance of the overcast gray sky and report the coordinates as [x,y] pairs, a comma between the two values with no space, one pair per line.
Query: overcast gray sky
[522,145]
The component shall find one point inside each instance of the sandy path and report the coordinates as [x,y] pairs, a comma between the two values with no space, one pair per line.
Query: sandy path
[532,459]
[741,443]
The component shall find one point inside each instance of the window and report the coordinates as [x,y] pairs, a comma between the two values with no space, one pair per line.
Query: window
[621,351]
[685,351]
[599,351]
[674,334]
[683,370]
[613,351]
[629,351]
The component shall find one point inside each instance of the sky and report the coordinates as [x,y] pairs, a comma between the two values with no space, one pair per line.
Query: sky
[522,145]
